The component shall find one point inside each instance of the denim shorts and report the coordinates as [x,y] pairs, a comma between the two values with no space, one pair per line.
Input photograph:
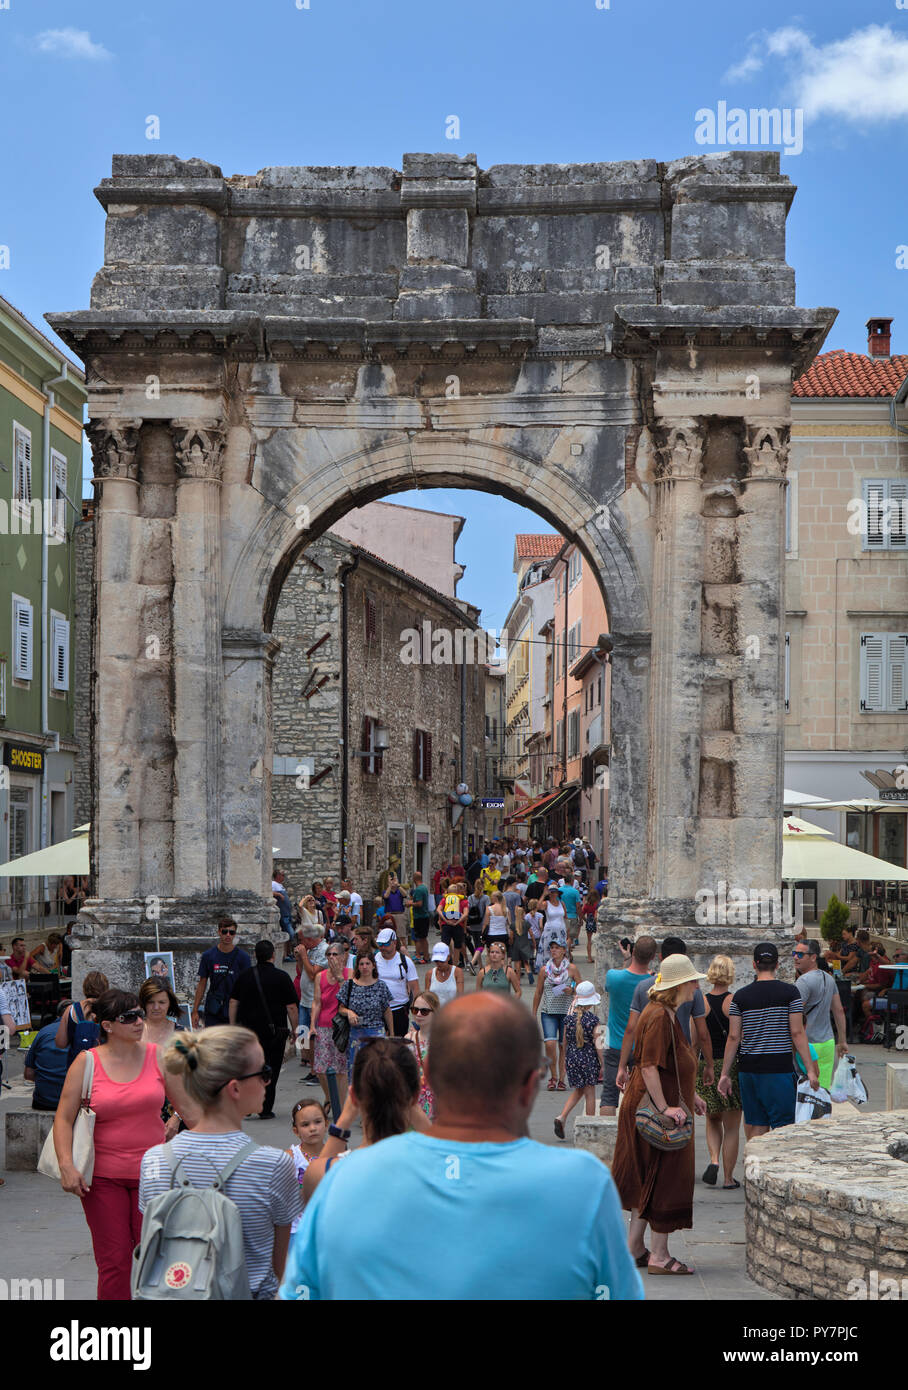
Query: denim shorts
[305,1016]
[553,1027]
[768,1098]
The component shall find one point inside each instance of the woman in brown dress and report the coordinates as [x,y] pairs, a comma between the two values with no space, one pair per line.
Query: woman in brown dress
[658,1187]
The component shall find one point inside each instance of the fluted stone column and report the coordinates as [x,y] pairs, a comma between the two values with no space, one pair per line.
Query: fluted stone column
[245,760]
[197,657]
[116,767]
[675,709]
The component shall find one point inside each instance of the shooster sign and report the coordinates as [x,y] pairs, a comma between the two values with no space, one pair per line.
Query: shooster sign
[18,757]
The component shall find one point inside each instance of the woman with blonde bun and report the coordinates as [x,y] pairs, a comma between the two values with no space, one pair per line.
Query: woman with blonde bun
[224,1074]
[723,1113]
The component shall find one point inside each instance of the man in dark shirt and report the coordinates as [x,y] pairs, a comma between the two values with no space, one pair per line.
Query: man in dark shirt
[46,1065]
[765,1020]
[218,969]
[263,999]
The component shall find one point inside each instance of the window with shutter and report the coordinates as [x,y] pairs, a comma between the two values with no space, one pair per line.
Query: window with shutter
[58,465]
[22,638]
[873,659]
[371,619]
[427,759]
[417,754]
[886,510]
[22,480]
[897,671]
[60,655]
[788,671]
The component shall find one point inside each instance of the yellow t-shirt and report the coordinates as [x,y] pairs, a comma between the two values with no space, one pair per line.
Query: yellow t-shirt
[490,880]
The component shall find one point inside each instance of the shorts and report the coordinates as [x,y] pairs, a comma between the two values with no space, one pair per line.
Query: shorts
[488,940]
[305,1016]
[452,934]
[553,1027]
[824,1055]
[610,1093]
[421,928]
[523,949]
[768,1098]
[400,1021]
[573,926]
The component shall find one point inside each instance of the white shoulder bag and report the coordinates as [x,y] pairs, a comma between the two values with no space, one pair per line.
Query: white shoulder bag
[83,1133]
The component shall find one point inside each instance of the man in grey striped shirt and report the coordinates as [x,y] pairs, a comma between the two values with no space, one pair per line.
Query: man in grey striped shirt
[766,1020]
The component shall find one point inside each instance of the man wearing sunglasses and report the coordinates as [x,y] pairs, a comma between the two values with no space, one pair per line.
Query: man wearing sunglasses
[822,1007]
[218,969]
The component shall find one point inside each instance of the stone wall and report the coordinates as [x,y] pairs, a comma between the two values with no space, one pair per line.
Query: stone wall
[402,696]
[827,1204]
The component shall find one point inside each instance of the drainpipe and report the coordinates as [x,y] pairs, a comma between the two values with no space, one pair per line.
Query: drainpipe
[343,576]
[463,754]
[46,512]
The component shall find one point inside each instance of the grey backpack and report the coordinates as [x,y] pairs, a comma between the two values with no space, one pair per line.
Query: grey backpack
[192,1240]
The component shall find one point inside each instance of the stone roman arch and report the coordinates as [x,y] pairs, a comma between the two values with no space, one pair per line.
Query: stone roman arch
[611,344]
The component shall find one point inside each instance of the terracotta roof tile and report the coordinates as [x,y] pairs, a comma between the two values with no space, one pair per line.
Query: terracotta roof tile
[852,374]
[542,545]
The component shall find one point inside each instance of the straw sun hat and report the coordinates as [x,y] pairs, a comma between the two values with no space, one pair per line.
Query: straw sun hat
[674,971]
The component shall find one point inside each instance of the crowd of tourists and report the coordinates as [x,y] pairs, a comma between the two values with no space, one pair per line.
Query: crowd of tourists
[439,1085]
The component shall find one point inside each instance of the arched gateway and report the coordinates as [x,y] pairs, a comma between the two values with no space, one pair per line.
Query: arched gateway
[612,344]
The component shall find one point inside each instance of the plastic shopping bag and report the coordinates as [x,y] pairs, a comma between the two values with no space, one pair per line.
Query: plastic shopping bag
[811,1104]
[847,1083]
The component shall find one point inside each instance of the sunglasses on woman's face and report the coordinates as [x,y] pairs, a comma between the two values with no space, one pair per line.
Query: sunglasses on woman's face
[131,1016]
[264,1073]
[422,1012]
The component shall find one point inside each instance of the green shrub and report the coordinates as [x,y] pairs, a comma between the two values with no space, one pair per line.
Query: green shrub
[835,916]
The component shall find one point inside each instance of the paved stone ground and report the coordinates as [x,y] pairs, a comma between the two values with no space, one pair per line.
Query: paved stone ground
[43,1233]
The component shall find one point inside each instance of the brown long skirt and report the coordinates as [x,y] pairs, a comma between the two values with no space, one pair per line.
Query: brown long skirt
[659,1186]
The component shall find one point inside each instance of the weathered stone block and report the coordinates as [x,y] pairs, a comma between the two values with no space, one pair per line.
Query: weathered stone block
[26,1131]
[598,1134]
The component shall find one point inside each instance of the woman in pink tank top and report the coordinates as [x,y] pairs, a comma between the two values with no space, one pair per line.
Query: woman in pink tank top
[127,1094]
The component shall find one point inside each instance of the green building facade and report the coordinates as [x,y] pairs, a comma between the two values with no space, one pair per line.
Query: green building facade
[42,395]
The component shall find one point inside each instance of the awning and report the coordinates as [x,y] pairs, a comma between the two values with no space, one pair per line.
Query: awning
[67,857]
[560,799]
[807,854]
[530,808]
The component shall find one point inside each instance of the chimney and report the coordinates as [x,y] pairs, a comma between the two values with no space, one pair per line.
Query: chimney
[878,337]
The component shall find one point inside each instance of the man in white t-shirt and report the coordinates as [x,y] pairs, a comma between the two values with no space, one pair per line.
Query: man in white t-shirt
[399,974]
[355,907]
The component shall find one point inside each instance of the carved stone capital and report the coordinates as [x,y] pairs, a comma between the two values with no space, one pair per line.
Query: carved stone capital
[114,444]
[198,445]
[766,449]
[679,449]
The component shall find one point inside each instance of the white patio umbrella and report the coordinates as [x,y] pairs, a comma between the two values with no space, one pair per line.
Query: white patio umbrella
[857,803]
[793,798]
[809,853]
[67,857]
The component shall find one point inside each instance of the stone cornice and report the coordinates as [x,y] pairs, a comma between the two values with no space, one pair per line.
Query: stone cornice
[166,330]
[641,329]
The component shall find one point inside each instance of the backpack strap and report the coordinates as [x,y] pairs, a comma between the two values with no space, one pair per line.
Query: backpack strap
[222,1176]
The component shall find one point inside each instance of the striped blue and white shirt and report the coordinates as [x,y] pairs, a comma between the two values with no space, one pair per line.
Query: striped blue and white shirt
[764,1009]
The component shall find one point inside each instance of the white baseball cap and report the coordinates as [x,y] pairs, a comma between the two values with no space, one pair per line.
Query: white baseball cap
[385,935]
[441,952]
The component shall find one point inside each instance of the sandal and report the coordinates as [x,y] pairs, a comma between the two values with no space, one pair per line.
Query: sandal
[641,1260]
[559,1128]
[553,1085]
[711,1174]
[673,1267]
[561,1086]
[730,1186]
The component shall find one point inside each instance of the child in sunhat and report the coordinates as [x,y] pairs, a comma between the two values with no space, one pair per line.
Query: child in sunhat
[582,1052]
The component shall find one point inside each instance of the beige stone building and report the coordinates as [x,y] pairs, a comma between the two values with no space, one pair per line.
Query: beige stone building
[846,591]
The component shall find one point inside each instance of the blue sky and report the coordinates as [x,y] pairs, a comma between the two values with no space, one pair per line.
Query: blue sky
[356,82]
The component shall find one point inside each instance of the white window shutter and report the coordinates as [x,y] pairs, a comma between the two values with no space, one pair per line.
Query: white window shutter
[23,465]
[58,494]
[788,671]
[898,514]
[873,661]
[60,658]
[22,637]
[897,671]
[874,502]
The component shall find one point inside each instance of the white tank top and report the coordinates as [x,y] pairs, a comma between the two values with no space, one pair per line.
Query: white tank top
[554,914]
[446,990]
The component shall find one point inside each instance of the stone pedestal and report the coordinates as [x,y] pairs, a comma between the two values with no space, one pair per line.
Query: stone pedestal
[112,935]
[896,1086]
[26,1131]
[633,917]
[597,1135]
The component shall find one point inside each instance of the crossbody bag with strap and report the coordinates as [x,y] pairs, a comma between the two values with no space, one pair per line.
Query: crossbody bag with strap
[258,980]
[655,1127]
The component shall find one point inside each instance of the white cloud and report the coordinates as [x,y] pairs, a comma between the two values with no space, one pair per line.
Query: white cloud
[863,77]
[71,43]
